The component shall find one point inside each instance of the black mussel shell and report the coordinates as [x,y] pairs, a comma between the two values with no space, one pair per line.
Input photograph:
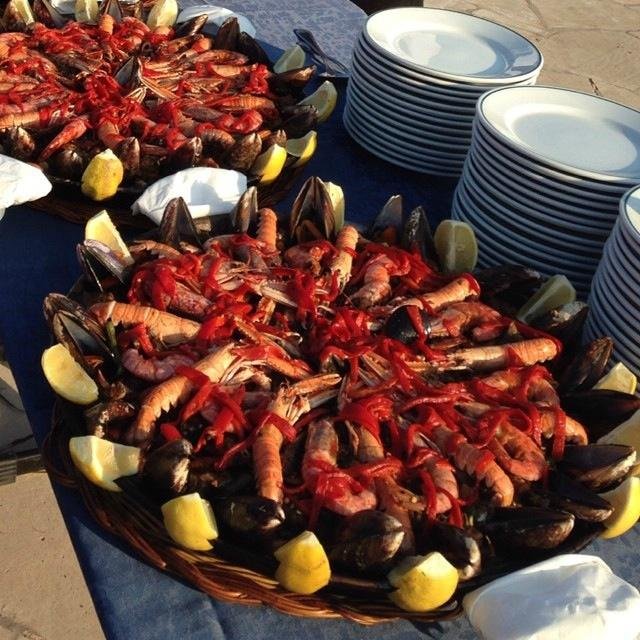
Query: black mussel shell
[566,494]
[227,35]
[586,367]
[19,143]
[292,81]
[100,263]
[312,213]
[507,287]
[47,14]
[565,322]
[177,225]
[301,121]
[187,155]
[112,8]
[249,46]
[366,541]
[245,214]
[460,546]
[598,466]
[600,410]
[417,236]
[69,163]
[244,152]
[99,416]
[387,225]
[249,514]
[191,27]
[399,325]
[527,527]
[167,467]
[128,150]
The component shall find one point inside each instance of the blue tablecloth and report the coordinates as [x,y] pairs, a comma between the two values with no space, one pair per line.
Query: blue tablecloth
[37,257]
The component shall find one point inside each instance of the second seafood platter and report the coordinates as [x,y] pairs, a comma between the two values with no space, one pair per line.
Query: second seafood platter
[161,98]
[296,376]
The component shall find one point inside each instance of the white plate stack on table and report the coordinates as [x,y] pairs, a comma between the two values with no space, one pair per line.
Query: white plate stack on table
[416,75]
[544,176]
[614,303]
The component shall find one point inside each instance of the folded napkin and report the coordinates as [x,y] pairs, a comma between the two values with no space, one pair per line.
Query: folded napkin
[20,182]
[217,15]
[569,597]
[207,191]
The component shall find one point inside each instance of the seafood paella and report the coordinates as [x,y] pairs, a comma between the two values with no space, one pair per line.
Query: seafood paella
[330,396]
[160,97]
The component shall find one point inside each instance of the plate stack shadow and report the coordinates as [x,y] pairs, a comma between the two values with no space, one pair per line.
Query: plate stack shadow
[544,176]
[614,303]
[416,75]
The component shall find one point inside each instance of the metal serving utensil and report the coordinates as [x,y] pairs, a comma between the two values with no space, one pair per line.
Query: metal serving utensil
[332,67]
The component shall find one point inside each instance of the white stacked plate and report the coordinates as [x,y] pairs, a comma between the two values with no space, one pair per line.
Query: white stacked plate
[416,76]
[615,299]
[544,176]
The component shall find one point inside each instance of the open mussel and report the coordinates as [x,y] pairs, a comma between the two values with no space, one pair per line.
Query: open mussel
[249,514]
[101,265]
[250,47]
[565,322]
[399,325]
[507,287]
[312,213]
[166,469]
[387,225]
[566,494]
[100,416]
[417,236]
[227,35]
[191,27]
[70,162]
[366,541]
[177,225]
[298,120]
[128,150]
[18,143]
[244,152]
[598,466]
[292,81]
[525,527]
[586,367]
[600,410]
[245,214]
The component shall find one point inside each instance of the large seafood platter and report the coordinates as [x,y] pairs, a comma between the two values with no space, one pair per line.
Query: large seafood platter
[152,98]
[296,412]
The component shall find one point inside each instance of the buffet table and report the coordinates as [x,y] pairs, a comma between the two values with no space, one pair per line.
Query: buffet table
[132,599]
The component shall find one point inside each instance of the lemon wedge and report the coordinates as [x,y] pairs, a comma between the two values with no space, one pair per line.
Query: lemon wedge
[102,461]
[620,378]
[22,8]
[66,377]
[163,14]
[302,148]
[423,582]
[190,521]
[336,195]
[86,11]
[269,165]
[626,433]
[100,227]
[292,58]
[456,246]
[304,566]
[625,500]
[324,99]
[103,176]
[555,292]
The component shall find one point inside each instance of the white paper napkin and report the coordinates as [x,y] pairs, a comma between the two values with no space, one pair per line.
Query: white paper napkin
[20,182]
[207,191]
[569,597]
[217,15]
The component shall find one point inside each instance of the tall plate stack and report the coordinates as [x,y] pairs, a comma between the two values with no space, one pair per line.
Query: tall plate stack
[416,76]
[614,301]
[544,177]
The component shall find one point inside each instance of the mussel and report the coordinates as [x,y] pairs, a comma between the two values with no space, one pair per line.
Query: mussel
[112,8]
[567,494]
[387,225]
[507,287]
[16,16]
[19,143]
[191,27]
[187,155]
[586,367]
[417,236]
[249,514]
[292,81]
[526,527]
[101,265]
[128,150]
[565,322]
[177,225]
[99,416]
[299,120]
[399,325]
[244,152]
[227,35]
[312,213]
[366,541]
[245,213]
[250,47]
[70,162]
[167,468]
[47,14]
[460,546]
[598,466]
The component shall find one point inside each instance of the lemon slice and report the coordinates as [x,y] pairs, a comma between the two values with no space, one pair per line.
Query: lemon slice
[24,10]
[190,521]
[555,292]
[292,58]
[423,582]
[102,461]
[100,227]
[304,566]
[324,99]
[87,11]
[620,378]
[336,195]
[163,14]
[625,500]
[103,176]
[456,246]
[626,433]
[66,377]
[269,165]
[302,148]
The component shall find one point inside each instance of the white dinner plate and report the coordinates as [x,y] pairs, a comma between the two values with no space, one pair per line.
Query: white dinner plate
[620,262]
[553,244]
[576,132]
[625,302]
[630,208]
[391,155]
[395,118]
[538,209]
[452,45]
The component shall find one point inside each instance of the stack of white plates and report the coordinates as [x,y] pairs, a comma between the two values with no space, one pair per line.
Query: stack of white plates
[615,299]
[416,76]
[544,176]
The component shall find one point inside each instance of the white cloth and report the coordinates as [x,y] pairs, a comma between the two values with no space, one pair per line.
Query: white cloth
[20,182]
[569,597]
[207,191]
